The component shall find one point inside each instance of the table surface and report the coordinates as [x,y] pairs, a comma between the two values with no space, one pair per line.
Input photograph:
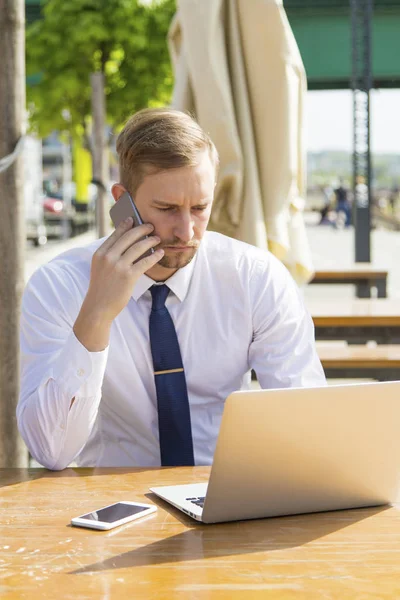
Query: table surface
[352,554]
[353,271]
[375,312]
[359,356]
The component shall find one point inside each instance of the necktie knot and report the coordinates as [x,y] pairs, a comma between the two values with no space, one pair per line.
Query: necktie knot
[159,294]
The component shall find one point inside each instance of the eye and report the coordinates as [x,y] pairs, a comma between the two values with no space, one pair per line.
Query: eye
[166,209]
[199,208]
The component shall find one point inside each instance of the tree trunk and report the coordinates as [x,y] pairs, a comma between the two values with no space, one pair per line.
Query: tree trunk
[13,452]
[99,152]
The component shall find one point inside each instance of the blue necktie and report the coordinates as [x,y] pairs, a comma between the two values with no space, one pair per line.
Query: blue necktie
[176,444]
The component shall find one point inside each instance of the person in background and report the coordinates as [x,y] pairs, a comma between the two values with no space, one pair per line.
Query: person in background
[393,199]
[342,203]
[327,193]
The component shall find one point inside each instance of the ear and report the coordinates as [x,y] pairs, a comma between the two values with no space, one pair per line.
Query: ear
[117,190]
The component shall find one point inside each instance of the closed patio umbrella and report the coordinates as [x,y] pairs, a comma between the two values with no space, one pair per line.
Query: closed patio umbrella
[239,71]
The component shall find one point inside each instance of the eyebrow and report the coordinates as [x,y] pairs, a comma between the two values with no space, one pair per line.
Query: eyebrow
[169,204]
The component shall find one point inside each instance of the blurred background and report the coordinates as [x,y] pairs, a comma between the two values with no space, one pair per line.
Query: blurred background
[127,42]
[302,100]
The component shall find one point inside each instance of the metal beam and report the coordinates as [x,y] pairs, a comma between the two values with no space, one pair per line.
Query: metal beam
[361,83]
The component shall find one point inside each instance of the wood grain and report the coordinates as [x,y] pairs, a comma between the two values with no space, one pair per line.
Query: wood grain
[362,356]
[366,312]
[350,555]
[359,271]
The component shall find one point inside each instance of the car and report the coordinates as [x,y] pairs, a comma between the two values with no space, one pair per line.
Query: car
[65,221]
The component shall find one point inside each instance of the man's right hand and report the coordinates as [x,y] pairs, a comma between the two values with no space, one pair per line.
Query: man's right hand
[114,272]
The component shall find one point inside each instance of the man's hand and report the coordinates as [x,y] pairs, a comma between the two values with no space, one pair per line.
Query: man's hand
[114,272]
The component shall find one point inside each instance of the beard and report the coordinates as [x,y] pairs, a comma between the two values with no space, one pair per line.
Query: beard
[177,260]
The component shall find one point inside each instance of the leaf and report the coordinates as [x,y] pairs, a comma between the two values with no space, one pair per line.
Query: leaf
[123,38]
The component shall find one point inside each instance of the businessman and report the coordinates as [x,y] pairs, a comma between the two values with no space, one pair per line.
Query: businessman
[127,360]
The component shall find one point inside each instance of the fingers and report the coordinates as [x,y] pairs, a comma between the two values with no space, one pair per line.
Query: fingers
[144,264]
[118,243]
[130,238]
[122,228]
[126,245]
[135,251]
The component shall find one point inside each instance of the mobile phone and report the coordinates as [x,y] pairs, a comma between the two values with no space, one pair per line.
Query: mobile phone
[123,208]
[113,515]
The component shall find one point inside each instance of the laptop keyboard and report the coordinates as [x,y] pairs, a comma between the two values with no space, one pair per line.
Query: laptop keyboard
[197,500]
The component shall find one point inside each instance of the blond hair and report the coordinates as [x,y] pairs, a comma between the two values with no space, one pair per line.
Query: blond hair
[155,139]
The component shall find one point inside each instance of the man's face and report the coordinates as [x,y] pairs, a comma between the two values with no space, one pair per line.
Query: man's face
[178,203]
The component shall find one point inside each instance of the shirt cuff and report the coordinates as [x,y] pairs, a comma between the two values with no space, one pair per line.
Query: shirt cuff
[77,371]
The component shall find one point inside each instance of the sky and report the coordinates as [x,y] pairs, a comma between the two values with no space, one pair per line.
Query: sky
[330,120]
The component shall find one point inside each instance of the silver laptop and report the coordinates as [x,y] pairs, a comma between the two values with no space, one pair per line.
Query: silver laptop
[284,452]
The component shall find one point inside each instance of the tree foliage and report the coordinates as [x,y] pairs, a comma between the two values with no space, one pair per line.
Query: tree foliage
[125,39]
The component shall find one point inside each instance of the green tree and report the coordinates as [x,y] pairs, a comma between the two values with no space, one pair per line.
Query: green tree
[124,39]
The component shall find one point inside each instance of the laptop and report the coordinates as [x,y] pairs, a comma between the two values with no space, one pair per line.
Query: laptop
[290,451]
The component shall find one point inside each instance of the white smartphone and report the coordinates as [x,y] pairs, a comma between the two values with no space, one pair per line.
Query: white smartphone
[114,515]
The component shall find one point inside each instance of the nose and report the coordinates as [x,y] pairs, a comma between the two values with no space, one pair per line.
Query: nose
[184,227]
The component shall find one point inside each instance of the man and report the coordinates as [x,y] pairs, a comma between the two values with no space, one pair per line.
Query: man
[120,369]
[342,204]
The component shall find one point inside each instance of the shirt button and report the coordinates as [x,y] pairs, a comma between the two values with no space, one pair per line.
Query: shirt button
[80,372]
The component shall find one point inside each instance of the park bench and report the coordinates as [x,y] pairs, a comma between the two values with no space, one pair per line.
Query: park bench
[357,321]
[362,275]
[361,361]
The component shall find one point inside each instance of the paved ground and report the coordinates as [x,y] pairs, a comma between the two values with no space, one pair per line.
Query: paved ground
[35,257]
[335,248]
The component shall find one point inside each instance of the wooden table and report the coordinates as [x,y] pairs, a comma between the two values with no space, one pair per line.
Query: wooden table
[363,275]
[379,362]
[351,555]
[357,321]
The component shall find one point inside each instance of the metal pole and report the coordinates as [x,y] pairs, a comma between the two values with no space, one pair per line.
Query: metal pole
[361,35]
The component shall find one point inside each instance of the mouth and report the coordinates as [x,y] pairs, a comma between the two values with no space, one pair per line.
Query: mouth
[179,248]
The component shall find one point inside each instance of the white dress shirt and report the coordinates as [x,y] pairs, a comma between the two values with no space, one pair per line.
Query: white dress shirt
[234,307]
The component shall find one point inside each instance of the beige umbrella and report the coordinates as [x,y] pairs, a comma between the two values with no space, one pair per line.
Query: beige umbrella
[238,69]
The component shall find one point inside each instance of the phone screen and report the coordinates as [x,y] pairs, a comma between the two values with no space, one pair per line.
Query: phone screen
[113,513]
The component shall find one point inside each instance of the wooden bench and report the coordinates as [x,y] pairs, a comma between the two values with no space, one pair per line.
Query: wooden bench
[362,275]
[379,362]
[357,321]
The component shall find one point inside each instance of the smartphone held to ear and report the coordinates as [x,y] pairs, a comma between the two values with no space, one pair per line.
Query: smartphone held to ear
[113,515]
[123,208]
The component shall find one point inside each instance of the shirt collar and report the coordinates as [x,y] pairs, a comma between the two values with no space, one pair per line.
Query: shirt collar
[179,282]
